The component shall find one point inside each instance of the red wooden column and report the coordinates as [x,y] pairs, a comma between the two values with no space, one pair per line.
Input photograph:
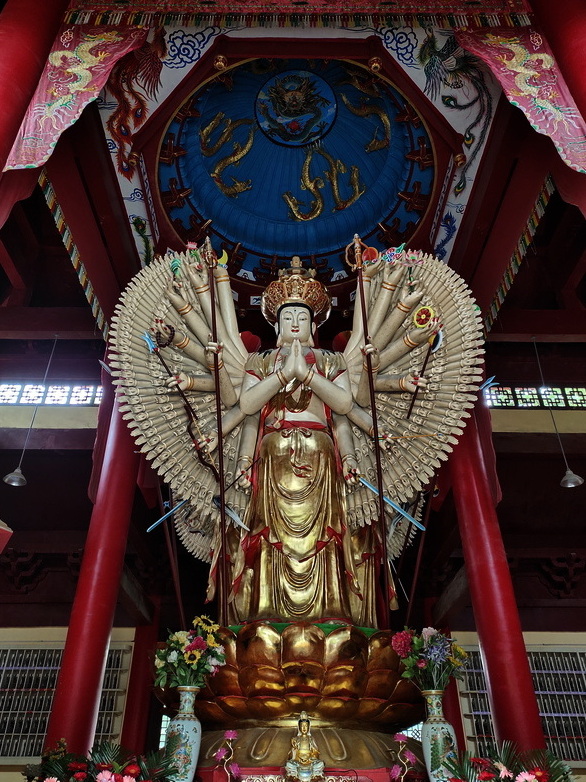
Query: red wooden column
[564,26]
[140,684]
[77,695]
[511,694]
[27,31]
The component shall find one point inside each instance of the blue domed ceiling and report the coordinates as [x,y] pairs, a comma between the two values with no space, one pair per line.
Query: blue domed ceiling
[294,157]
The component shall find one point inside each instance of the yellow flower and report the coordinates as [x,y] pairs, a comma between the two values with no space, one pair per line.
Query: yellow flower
[459,652]
[206,623]
[159,663]
[211,641]
[192,657]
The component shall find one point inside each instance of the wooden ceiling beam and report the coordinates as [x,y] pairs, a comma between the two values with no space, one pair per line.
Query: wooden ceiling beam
[21,322]
[542,325]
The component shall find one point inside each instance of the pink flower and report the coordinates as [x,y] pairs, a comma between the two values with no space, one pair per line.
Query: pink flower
[395,771]
[221,753]
[105,776]
[197,645]
[128,778]
[421,663]
[234,769]
[400,737]
[504,772]
[410,756]
[540,774]
[402,643]
[230,735]
[427,633]
[51,779]
[525,776]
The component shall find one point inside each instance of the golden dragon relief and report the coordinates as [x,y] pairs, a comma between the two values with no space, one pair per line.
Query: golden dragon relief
[315,185]
[234,158]
[364,110]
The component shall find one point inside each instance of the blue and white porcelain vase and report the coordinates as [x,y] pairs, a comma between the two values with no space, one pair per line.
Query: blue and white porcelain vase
[184,733]
[438,739]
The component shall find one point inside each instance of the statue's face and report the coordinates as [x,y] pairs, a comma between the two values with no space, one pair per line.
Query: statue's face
[294,323]
[304,727]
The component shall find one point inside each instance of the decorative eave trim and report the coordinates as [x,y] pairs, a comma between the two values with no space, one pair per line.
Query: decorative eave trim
[222,14]
[72,250]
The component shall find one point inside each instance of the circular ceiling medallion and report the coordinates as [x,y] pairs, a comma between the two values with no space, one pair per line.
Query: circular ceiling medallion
[294,157]
[295,108]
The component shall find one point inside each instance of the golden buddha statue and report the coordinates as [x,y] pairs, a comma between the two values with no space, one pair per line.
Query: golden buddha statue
[303,763]
[297,427]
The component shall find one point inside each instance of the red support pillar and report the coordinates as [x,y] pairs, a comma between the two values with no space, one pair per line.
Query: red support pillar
[564,26]
[92,615]
[27,31]
[513,703]
[140,685]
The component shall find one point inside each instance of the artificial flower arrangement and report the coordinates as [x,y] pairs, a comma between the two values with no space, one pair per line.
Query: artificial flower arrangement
[106,762]
[190,656]
[403,759]
[431,659]
[508,763]
[225,754]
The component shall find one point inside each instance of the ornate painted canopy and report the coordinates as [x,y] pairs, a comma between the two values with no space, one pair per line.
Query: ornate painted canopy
[294,157]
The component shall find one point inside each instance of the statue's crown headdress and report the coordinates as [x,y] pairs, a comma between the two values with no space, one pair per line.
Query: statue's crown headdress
[296,285]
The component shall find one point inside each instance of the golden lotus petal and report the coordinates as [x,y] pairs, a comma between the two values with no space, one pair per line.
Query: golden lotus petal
[346,643]
[347,680]
[303,676]
[259,644]
[267,707]
[262,680]
[303,641]
[337,709]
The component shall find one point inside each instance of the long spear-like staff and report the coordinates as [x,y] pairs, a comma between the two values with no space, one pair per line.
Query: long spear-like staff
[211,261]
[357,245]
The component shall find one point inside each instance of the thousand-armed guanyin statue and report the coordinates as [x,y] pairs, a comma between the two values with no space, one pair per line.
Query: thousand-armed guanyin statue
[302,529]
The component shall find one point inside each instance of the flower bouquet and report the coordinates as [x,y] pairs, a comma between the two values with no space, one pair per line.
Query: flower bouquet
[430,659]
[106,762]
[508,763]
[190,656]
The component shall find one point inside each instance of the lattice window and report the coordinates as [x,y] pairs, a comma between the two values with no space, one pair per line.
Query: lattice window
[533,397]
[559,677]
[27,683]
[54,394]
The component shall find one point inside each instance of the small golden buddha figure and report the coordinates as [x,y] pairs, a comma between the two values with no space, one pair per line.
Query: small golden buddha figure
[303,763]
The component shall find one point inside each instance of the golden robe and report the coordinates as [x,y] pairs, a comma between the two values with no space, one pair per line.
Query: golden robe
[297,561]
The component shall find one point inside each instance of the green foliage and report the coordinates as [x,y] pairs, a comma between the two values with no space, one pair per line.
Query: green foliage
[108,757]
[506,762]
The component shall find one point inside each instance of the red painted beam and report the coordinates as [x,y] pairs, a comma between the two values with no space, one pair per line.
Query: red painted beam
[72,196]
